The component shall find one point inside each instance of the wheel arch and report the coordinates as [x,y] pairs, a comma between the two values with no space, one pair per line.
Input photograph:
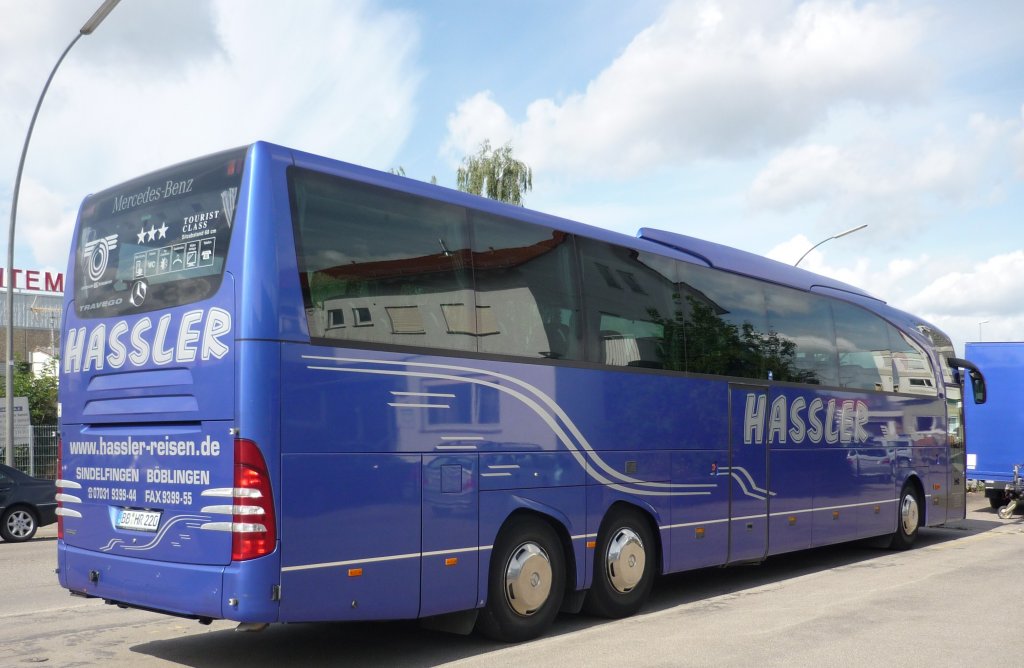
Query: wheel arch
[558,525]
[914,481]
[648,515]
[506,621]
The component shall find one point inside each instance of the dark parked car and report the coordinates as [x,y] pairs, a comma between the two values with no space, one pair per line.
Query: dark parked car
[26,503]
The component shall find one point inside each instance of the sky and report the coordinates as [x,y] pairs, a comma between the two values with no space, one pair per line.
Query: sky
[768,125]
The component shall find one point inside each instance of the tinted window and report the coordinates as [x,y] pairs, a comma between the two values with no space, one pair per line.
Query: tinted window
[380,266]
[943,347]
[157,241]
[627,299]
[723,317]
[913,371]
[862,340]
[527,297]
[801,342]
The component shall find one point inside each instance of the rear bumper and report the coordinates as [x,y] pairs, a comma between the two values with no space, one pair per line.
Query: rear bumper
[247,591]
[180,589]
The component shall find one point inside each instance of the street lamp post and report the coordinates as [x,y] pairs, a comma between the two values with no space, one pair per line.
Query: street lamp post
[841,234]
[979,329]
[87,29]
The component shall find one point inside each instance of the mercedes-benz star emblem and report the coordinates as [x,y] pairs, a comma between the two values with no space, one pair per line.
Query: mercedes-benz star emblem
[139,293]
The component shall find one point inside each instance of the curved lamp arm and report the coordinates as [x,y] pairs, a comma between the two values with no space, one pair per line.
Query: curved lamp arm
[86,29]
[841,234]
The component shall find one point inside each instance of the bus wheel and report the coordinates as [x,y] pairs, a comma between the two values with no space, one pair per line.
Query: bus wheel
[526,582]
[623,566]
[907,519]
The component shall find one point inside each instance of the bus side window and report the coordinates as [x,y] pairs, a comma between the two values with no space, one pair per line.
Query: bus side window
[526,280]
[726,330]
[913,371]
[801,325]
[627,297]
[381,266]
[862,340]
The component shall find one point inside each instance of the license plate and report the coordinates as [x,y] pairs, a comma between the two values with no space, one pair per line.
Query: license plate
[138,520]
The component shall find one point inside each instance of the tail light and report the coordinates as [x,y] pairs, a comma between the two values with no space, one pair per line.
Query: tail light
[64,496]
[253,522]
[253,526]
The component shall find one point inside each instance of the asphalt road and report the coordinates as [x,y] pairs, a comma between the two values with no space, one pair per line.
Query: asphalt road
[952,600]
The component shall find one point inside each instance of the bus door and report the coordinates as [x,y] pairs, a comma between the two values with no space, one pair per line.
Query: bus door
[956,507]
[450,560]
[747,473]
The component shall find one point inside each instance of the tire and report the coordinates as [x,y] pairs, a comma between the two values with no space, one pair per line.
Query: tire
[18,524]
[624,566]
[1005,512]
[908,519]
[526,582]
[996,502]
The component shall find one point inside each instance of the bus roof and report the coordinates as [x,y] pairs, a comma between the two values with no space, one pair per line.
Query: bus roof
[743,262]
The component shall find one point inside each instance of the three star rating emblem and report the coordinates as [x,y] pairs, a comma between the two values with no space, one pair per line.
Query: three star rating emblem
[152,233]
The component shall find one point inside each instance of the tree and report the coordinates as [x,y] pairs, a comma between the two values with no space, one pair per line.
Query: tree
[699,340]
[496,174]
[400,171]
[41,391]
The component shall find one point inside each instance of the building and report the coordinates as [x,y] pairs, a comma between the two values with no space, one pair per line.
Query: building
[38,305]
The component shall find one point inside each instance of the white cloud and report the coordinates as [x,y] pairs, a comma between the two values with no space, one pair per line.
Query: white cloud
[337,79]
[45,223]
[715,79]
[962,329]
[790,251]
[1018,146]
[883,167]
[956,302]
[140,33]
[992,289]
[860,274]
[474,120]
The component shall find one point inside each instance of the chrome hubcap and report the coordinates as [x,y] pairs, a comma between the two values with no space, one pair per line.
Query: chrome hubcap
[527,579]
[625,560]
[19,524]
[909,514]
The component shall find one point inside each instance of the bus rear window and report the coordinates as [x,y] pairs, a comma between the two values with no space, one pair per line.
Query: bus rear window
[158,241]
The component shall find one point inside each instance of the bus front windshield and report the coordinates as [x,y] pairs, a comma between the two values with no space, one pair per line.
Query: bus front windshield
[158,241]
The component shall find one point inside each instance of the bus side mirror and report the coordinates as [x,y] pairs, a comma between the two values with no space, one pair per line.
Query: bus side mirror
[978,389]
[977,386]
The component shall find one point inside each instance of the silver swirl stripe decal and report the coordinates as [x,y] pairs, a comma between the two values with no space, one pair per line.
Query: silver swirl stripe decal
[159,536]
[743,479]
[540,403]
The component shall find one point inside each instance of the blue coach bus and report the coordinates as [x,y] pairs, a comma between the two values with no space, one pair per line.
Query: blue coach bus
[294,389]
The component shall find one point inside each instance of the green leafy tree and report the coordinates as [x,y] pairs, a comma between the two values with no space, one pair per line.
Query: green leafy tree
[496,174]
[698,340]
[41,391]
[400,171]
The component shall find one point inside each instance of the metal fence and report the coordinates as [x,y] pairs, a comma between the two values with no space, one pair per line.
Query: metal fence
[38,457]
